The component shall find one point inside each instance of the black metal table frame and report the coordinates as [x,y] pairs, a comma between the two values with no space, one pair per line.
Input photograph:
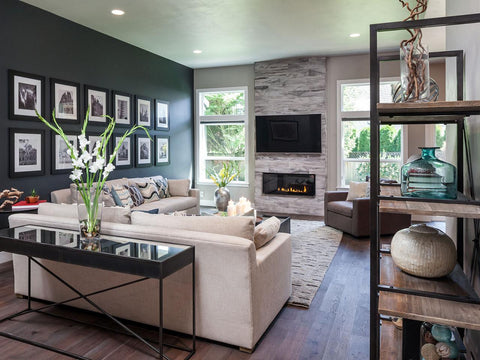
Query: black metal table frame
[127,330]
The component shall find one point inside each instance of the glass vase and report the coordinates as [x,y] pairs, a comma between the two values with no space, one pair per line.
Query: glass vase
[90,207]
[429,177]
[414,72]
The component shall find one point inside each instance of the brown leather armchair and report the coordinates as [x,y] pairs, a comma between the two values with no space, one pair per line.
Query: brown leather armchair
[353,217]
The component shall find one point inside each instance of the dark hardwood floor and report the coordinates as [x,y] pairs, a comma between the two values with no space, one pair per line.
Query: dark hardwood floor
[336,327]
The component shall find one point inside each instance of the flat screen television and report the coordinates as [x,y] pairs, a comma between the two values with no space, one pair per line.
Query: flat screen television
[289,133]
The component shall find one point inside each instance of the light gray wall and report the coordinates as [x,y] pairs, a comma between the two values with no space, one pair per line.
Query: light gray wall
[466,37]
[230,76]
[354,67]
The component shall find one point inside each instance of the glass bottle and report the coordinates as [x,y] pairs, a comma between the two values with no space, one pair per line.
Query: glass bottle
[429,177]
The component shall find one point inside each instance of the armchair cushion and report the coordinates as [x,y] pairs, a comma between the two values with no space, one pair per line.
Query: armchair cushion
[358,190]
[341,207]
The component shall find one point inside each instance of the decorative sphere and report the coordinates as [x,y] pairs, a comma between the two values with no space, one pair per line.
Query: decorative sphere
[441,333]
[429,353]
[424,251]
[447,350]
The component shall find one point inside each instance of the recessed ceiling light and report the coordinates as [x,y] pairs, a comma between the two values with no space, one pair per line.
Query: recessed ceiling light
[197,51]
[354,35]
[118,12]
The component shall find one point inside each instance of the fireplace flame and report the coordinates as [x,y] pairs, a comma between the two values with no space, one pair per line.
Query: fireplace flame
[293,190]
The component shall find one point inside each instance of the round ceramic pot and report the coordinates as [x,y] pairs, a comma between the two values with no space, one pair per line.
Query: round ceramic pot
[222,197]
[424,251]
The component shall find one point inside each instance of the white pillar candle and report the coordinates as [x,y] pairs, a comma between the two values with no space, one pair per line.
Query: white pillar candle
[248,206]
[231,203]
[231,210]
[242,199]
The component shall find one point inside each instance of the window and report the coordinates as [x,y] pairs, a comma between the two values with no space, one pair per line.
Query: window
[354,123]
[222,120]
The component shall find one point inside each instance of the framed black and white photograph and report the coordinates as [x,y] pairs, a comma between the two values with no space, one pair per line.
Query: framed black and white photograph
[66,238]
[162,117]
[61,161]
[26,93]
[65,100]
[93,138]
[124,158]
[122,108]
[123,249]
[96,99]
[144,156]
[162,148]
[143,110]
[26,152]
[144,251]
[27,233]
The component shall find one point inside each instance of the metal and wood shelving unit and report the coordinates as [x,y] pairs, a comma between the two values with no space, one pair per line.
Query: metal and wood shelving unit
[450,300]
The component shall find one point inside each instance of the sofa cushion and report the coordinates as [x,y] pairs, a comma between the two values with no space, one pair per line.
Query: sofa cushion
[178,187]
[116,214]
[170,204]
[241,226]
[266,231]
[341,207]
[149,190]
[162,185]
[358,190]
[152,211]
[121,195]
[136,195]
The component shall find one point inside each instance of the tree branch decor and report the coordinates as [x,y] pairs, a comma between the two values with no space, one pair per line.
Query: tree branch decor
[415,78]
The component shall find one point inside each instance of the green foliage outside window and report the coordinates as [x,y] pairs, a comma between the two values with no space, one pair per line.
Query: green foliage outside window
[224,103]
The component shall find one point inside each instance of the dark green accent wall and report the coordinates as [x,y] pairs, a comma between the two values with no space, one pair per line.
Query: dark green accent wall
[38,42]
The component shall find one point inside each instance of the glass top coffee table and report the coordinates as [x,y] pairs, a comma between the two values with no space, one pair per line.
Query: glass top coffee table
[147,259]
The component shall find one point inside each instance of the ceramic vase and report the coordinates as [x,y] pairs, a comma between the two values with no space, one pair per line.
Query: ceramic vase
[222,197]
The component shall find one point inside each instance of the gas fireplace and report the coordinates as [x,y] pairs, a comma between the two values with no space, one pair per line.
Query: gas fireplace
[289,184]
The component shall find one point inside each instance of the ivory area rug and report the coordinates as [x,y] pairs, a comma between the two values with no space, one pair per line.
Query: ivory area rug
[313,247]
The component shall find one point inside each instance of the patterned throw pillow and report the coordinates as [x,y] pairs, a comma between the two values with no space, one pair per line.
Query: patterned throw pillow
[136,195]
[121,196]
[108,200]
[148,190]
[162,185]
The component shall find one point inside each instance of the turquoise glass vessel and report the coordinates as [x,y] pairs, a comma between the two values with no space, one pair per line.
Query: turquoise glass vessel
[429,177]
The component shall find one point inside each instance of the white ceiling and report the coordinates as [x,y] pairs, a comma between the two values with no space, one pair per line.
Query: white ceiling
[233,32]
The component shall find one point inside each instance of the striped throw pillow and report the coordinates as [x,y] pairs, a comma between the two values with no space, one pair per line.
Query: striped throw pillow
[136,195]
[162,185]
[121,196]
[149,191]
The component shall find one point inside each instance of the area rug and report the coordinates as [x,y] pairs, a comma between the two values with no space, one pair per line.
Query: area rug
[313,247]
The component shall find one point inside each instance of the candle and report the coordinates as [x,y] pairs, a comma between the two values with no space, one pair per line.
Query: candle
[242,199]
[248,206]
[231,210]
[239,208]
[231,202]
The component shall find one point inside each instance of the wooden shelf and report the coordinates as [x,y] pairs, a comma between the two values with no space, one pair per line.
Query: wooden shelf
[451,208]
[423,119]
[454,284]
[429,109]
[390,342]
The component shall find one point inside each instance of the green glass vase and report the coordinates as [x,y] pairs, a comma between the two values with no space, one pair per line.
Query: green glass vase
[429,177]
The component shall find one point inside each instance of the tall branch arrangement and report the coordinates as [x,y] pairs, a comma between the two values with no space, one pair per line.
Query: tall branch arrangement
[417,80]
[91,169]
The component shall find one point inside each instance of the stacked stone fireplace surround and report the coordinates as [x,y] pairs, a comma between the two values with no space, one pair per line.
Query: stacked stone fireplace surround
[292,86]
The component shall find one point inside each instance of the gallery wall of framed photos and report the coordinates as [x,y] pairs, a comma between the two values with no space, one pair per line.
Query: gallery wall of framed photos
[90,70]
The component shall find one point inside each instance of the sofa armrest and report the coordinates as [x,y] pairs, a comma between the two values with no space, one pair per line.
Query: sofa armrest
[194,193]
[335,196]
[62,196]
[361,216]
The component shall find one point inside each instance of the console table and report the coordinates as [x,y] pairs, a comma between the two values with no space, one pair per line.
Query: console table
[131,256]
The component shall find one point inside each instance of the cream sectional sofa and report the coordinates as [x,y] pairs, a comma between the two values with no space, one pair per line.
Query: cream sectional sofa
[182,197]
[239,289]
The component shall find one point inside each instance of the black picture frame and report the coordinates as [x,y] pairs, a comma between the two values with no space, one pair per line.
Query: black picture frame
[162,115]
[141,140]
[144,103]
[97,112]
[129,247]
[123,117]
[162,157]
[61,91]
[129,147]
[20,167]
[56,139]
[26,92]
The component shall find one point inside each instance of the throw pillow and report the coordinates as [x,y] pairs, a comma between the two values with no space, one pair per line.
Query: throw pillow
[107,197]
[116,214]
[136,195]
[152,211]
[358,190]
[60,210]
[162,185]
[265,231]
[241,226]
[149,191]
[179,187]
[121,196]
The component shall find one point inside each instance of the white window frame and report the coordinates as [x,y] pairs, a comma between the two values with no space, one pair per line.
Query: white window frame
[362,116]
[218,119]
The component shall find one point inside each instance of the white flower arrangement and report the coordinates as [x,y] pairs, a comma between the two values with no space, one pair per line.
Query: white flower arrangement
[91,168]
